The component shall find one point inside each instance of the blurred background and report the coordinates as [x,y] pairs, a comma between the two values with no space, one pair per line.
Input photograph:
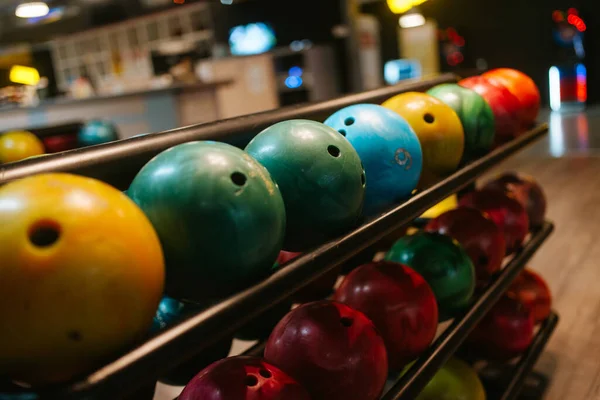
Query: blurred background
[153,65]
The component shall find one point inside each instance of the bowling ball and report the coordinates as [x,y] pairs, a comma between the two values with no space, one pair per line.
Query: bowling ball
[456,380]
[439,130]
[479,236]
[97,132]
[260,328]
[527,191]
[19,145]
[504,333]
[58,143]
[449,203]
[443,263]
[320,176]
[524,89]
[331,349]
[243,378]
[389,150]
[475,115]
[533,292]
[219,216]
[285,257]
[505,211]
[505,106]
[80,263]
[399,302]
[171,311]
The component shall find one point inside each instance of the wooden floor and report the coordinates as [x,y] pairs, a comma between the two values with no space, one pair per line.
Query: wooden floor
[567,164]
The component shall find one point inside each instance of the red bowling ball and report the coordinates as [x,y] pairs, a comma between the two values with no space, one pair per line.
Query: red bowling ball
[504,333]
[334,351]
[243,378]
[399,302]
[479,236]
[58,143]
[527,191]
[316,290]
[505,211]
[533,292]
[505,106]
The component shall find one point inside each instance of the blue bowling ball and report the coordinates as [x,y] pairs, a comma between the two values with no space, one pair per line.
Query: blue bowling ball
[97,132]
[389,150]
[169,312]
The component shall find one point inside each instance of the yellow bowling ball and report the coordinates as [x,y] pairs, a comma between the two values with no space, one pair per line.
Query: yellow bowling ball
[439,130]
[456,380]
[18,145]
[449,203]
[81,276]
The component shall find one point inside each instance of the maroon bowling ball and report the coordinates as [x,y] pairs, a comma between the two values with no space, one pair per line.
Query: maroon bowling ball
[505,211]
[531,290]
[58,143]
[527,191]
[399,302]
[479,236]
[504,333]
[243,378]
[316,290]
[334,351]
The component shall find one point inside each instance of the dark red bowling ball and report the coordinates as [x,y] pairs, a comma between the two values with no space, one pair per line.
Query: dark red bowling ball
[58,143]
[243,378]
[479,236]
[316,290]
[399,302]
[334,351]
[505,106]
[531,290]
[527,191]
[504,333]
[505,211]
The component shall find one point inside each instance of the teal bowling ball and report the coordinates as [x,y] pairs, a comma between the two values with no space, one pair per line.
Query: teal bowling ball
[475,115]
[443,263]
[97,132]
[320,176]
[389,150]
[169,312]
[219,216]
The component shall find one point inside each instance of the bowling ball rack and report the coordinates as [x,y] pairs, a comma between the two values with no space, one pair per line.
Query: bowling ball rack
[126,376]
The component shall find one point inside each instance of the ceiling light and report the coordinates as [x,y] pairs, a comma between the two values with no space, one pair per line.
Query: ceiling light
[32,10]
[412,20]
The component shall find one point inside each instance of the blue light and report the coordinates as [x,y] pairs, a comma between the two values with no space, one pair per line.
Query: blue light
[251,39]
[295,71]
[293,82]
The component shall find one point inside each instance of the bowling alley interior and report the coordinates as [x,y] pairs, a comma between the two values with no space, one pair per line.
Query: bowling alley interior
[299,200]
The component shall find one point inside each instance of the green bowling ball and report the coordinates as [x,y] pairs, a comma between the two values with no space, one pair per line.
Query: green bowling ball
[456,380]
[475,114]
[320,175]
[444,265]
[219,216]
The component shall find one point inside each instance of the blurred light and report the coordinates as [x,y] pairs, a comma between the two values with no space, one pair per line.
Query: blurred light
[24,75]
[452,34]
[581,72]
[459,41]
[295,71]
[557,134]
[297,45]
[251,39]
[398,70]
[554,83]
[227,2]
[32,10]
[179,1]
[572,11]
[455,58]
[412,20]
[558,16]
[293,82]
[577,22]
[400,6]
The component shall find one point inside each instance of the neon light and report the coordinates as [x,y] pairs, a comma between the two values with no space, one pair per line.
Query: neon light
[572,11]
[581,72]
[295,71]
[554,83]
[293,82]
[558,16]
[24,75]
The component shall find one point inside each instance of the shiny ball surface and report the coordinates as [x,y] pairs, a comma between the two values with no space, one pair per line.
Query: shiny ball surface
[479,236]
[439,130]
[219,216]
[19,145]
[80,263]
[527,191]
[505,106]
[97,132]
[389,150]
[243,378]
[58,143]
[456,380]
[506,211]
[475,115]
[331,349]
[443,263]
[320,176]
[399,302]
[533,292]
